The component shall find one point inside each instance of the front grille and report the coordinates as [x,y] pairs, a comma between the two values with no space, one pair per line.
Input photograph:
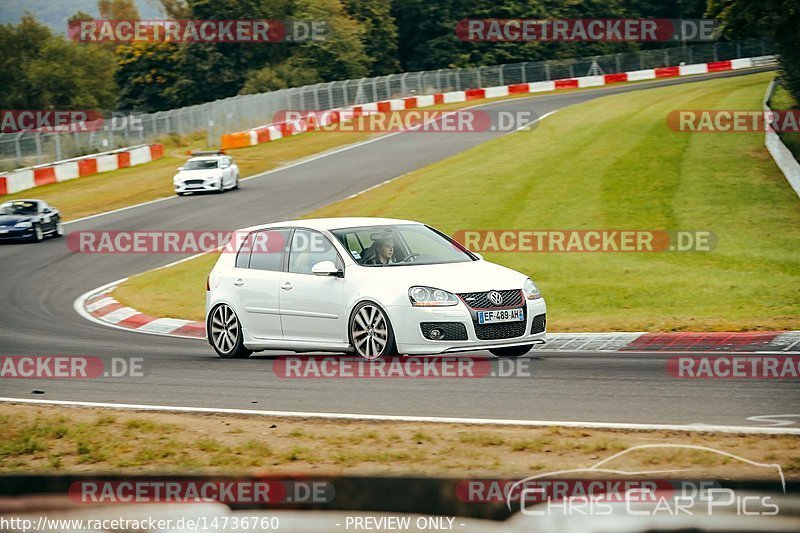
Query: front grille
[480,300]
[539,324]
[452,331]
[503,330]
[191,183]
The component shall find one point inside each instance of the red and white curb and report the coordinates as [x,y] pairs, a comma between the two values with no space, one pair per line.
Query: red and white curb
[100,307]
[69,169]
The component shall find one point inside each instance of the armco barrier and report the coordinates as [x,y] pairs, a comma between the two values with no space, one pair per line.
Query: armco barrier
[28,178]
[272,132]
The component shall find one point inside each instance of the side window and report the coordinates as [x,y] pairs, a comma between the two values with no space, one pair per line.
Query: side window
[243,257]
[267,249]
[308,249]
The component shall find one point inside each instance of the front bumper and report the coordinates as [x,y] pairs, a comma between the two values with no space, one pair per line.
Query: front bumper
[410,340]
[16,234]
[211,184]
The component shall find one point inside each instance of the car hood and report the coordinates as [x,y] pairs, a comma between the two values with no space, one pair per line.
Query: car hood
[10,220]
[473,276]
[199,173]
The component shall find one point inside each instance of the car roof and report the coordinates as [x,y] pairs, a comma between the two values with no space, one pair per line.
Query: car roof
[21,200]
[332,223]
[207,157]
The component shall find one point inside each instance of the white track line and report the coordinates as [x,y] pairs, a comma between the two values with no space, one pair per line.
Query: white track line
[431,419]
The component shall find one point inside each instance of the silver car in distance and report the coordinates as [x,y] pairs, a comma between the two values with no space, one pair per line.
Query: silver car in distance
[372,286]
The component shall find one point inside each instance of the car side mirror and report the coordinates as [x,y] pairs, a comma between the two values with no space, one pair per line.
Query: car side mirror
[224,166]
[326,268]
[180,168]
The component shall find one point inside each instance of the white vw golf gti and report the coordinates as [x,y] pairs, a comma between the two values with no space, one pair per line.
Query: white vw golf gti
[372,286]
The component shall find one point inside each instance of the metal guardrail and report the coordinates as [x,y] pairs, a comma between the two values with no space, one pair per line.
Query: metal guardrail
[242,112]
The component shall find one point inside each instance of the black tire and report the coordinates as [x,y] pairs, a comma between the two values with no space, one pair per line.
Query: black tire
[224,333]
[512,351]
[236,184]
[365,332]
[38,233]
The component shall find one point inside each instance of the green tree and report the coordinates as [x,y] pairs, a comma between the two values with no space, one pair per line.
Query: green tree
[147,74]
[777,20]
[341,54]
[43,71]
[380,33]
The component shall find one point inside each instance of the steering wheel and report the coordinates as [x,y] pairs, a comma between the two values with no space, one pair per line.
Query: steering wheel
[410,258]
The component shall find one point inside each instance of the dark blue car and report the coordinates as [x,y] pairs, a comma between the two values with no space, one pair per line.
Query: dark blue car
[29,220]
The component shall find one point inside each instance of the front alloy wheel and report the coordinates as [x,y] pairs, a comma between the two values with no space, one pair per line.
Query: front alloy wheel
[59,229]
[225,333]
[370,332]
[38,233]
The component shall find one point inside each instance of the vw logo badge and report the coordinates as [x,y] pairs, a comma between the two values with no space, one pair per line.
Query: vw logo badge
[495,297]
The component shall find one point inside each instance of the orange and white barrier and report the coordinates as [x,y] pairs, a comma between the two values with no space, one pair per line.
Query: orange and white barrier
[28,178]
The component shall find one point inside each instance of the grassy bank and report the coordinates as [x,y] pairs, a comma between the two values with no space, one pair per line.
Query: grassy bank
[60,439]
[611,163]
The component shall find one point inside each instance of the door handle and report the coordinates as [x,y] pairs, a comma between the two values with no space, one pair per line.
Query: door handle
[286,286]
[238,282]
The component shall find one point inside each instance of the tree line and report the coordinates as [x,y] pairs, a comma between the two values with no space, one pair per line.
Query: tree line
[41,69]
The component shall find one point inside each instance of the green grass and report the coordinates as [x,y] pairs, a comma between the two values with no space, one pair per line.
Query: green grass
[782,100]
[120,188]
[612,163]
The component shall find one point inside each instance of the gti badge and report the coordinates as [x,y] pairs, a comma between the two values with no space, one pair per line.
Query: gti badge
[495,297]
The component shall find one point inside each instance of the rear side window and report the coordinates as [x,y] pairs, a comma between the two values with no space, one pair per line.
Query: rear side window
[266,248]
[243,256]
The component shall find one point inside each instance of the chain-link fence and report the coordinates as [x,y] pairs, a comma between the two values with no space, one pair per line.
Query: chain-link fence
[248,111]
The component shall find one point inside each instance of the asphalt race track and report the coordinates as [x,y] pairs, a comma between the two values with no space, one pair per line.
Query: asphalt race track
[39,283]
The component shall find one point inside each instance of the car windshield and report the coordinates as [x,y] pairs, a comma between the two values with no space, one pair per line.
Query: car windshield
[19,208]
[200,164]
[405,244]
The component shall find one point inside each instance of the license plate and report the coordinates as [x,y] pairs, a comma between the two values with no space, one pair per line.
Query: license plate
[502,315]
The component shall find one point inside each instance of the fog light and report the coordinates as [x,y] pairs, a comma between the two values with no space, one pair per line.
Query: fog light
[436,334]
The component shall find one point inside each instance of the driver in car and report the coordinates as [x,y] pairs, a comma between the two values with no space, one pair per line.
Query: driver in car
[380,253]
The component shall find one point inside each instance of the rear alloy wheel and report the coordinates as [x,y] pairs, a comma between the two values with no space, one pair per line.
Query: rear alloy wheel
[512,351]
[225,333]
[371,332]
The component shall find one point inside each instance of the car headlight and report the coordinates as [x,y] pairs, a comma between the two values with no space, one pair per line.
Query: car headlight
[430,297]
[23,225]
[530,290]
